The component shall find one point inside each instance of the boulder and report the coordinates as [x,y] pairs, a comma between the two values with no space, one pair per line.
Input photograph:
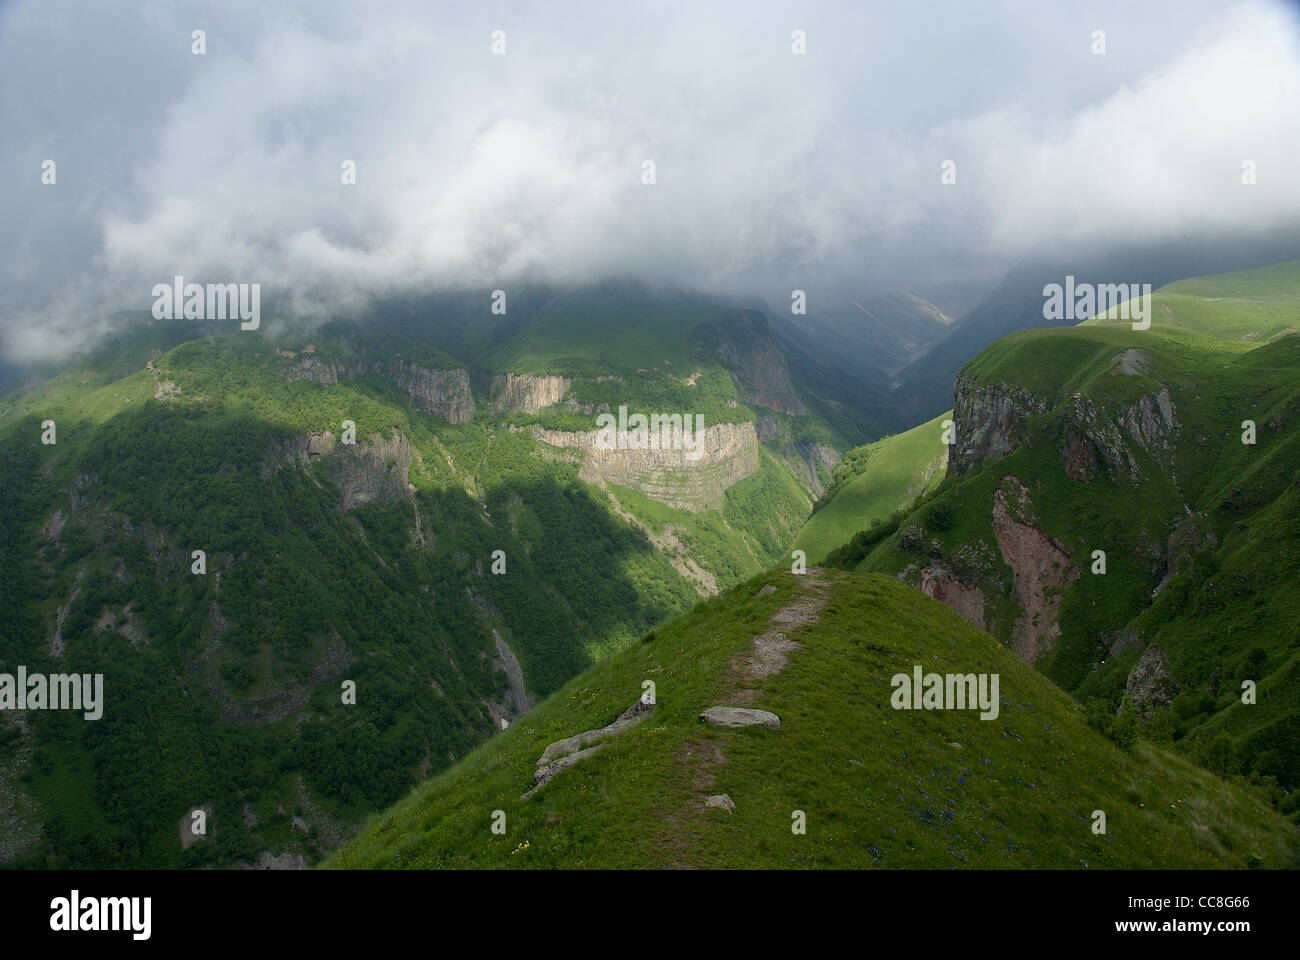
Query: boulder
[740,717]
[721,801]
[1150,684]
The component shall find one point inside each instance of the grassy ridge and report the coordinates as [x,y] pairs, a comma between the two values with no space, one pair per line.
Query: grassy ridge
[878,787]
[1202,547]
[872,482]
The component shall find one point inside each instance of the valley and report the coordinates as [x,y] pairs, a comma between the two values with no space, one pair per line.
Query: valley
[437,539]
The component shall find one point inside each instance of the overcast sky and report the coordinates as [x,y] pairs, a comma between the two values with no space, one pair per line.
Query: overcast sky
[773,171]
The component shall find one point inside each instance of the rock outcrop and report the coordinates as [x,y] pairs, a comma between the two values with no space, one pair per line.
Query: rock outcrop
[565,753]
[1152,422]
[740,717]
[374,472]
[310,366]
[697,479]
[1150,683]
[441,392]
[989,421]
[444,393]
[966,601]
[528,392]
[1090,443]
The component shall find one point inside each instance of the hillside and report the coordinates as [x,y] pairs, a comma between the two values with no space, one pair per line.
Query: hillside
[872,338]
[924,387]
[877,787]
[1070,441]
[872,482]
[471,551]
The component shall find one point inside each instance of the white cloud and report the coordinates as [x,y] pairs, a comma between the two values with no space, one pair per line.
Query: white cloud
[773,170]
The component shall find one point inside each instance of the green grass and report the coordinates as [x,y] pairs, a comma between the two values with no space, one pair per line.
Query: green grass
[879,787]
[1251,306]
[872,482]
[1209,520]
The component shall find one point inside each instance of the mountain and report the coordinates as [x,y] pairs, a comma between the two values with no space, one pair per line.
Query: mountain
[596,777]
[873,482]
[924,387]
[316,566]
[1120,509]
[870,338]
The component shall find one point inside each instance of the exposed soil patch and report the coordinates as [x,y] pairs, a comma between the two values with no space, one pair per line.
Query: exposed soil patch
[1129,363]
[696,761]
[962,599]
[770,650]
[1041,570]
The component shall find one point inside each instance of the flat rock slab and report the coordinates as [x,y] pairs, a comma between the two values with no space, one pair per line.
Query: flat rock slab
[740,717]
[721,801]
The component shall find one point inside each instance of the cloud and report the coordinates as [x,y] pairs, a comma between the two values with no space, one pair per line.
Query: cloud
[773,171]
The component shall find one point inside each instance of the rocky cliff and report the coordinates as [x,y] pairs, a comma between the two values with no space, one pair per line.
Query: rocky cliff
[989,421]
[724,454]
[528,392]
[443,393]
[309,366]
[373,472]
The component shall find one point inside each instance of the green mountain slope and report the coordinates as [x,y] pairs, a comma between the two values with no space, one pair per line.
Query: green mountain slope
[872,482]
[468,554]
[876,786]
[1103,438]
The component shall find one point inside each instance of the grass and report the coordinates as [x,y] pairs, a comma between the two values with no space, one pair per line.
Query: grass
[872,482]
[878,787]
[1208,520]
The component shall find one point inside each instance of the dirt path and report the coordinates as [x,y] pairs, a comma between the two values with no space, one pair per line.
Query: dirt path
[770,650]
[696,762]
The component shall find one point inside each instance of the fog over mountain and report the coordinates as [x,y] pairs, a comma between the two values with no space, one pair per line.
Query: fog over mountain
[773,170]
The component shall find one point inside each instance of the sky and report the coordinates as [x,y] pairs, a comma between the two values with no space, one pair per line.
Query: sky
[773,170]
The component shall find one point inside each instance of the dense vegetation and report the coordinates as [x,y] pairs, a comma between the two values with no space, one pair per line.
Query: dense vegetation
[375,565]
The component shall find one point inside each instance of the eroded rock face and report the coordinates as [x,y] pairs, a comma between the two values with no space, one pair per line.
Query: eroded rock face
[528,392]
[1041,571]
[310,366]
[373,472]
[1152,422]
[1091,444]
[816,455]
[1150,683]
[724,454]
[989,421]
[966,601]
[443,393]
